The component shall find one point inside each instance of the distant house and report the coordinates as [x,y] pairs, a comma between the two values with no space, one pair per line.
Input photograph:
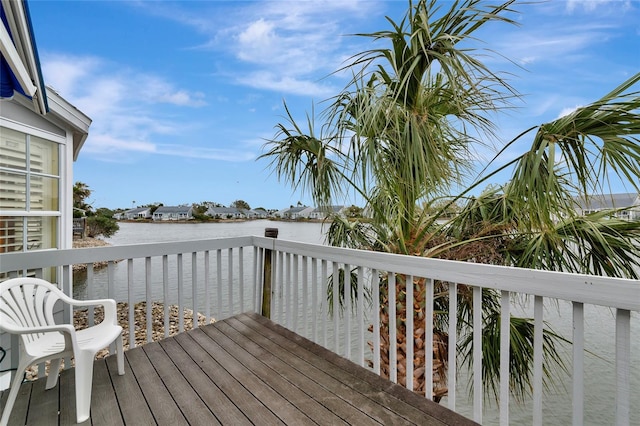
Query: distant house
[596,203]
[295,212]
[258,213]
[226,213]
[173,213]
[324,212]
[137,213]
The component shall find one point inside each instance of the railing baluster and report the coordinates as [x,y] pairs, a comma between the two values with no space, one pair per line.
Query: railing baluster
[305,296]
[68,316]
[375,314]
[505,323]
[477,354]
[324,313]
[241,278]
[194,288]
[279,284]
[428,338]
[453,338]
[257,283]
[207,287]
[623,366]
[538,357]
[296,298]
[336,307]
[578,363]
[111,287]
[90,293]
[314,298]
[360,316]
[180,294]
[165,293]
[230,280]
[131,302]
[288,291]
[347,310]
[408,350]
[219,314]
[393,339]
[147,271]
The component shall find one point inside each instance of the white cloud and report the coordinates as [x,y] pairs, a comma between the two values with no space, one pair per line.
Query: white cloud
[543,44]
[204,153]
[126,109]
[287,45]
[257,40]
[593,5]
[568,110]
[282,83]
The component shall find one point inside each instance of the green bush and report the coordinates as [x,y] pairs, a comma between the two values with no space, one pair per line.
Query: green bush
[101,225]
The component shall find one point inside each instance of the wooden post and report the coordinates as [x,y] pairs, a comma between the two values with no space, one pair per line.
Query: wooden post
[266,271]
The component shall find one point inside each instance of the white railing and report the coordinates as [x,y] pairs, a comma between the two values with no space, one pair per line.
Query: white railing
[225,277]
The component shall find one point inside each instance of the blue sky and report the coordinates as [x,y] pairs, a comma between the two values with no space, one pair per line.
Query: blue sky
[183,94]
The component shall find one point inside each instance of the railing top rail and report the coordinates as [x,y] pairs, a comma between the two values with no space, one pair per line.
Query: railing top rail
[613,292]
[46,258]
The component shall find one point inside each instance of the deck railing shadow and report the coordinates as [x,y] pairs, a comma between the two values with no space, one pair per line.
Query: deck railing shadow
[223,277]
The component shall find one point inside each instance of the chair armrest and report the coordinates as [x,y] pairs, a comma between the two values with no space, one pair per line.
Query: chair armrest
[63,328]
[110,307]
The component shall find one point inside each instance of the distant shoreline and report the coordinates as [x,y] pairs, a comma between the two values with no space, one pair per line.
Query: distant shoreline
[219,220]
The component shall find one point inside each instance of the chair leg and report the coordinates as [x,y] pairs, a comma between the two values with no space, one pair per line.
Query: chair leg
[54,372]
[13,393]
[120,355]
[84,379]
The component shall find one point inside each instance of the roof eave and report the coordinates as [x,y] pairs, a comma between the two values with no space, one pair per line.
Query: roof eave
[76,119]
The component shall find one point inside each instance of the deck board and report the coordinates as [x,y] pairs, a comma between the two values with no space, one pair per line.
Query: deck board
[156,394]
[385,407]
[251,407]
[308,377]
[243,370]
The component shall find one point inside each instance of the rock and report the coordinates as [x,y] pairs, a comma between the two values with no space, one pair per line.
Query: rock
[88,243]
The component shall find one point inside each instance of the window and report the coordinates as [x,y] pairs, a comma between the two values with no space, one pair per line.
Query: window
[29,192]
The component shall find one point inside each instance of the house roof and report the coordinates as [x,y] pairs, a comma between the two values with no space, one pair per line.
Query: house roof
[294,210]
[172,209]
[137,210]
[224,210]
[328,209]
[609,201]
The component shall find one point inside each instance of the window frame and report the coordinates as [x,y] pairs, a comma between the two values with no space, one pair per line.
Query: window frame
[30,131]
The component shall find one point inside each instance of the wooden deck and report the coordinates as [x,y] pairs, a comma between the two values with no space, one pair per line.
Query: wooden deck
[240,371]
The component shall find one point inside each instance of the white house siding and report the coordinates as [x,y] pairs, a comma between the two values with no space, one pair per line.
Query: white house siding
[612,201]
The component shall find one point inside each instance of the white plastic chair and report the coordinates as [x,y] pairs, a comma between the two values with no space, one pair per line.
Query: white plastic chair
[26,309]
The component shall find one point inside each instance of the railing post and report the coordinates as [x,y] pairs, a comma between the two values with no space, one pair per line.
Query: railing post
[266,271]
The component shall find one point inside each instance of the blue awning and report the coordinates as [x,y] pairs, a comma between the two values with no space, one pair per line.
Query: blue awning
[12,73]
[8,80]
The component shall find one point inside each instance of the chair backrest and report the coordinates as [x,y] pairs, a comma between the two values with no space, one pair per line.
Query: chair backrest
[27,303]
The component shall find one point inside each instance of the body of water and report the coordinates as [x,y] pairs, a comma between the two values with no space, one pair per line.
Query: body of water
[140,233]
[599,375]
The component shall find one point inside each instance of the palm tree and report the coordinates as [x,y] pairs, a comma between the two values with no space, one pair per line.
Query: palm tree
[400,134]
[81,192]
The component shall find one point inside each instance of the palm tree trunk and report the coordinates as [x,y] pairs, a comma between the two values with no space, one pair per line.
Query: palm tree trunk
[439,352]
